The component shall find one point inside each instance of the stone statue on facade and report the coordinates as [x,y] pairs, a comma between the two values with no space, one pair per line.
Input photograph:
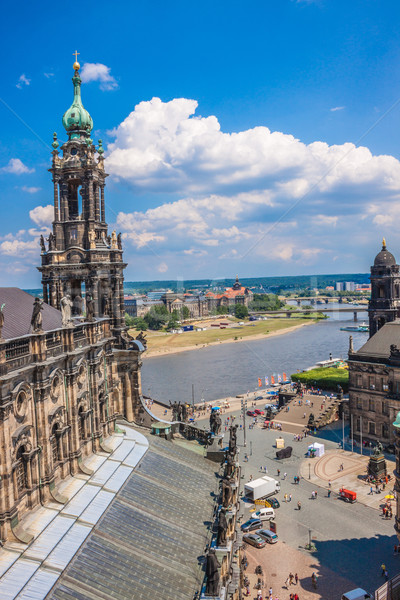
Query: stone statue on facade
[184,412]
[174,407]
[1,320]
[114,242]
[142,338]
[105,306]
[233,439]
[42,244]
[226,492]
[66,308]
[230,465]
[92,239]
[212,420]
[222,528]
[119,242]
[52,241]
[77,308]
[37,319]
[212,573]
[89,307]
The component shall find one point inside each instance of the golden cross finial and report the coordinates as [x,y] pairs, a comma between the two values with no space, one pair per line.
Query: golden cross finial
[76,55]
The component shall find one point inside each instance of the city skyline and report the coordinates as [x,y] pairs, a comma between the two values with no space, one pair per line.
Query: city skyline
[256,142]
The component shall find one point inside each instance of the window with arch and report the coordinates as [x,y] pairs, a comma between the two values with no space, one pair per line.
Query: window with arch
[81,424]
[55,445]
[21,470]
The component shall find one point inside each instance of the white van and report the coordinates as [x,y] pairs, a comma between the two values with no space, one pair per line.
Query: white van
[357,594]
[264,514]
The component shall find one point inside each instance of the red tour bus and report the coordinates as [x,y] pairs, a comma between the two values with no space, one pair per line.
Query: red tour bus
[347,495]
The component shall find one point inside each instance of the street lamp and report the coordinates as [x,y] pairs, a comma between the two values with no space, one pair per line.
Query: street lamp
[309,470]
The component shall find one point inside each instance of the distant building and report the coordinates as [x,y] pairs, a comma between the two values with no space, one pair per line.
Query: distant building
[339,286]
[349,286]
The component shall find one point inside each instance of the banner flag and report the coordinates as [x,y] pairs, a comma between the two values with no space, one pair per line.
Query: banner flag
[279,378]
[272,380]
[266,381]
[259,382]
[284,377]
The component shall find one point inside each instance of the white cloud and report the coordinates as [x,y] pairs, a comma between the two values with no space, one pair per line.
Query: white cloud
[48,75]
[336,108]
[19,247]
[162,267]
[325,220]
[99,72]
[30,190]
[163,146]
[23,80]
[17,167]
[42,215]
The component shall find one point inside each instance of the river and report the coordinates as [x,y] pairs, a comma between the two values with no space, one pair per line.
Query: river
[231,369]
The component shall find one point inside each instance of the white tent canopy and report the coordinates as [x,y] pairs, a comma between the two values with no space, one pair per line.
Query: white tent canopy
[318,449]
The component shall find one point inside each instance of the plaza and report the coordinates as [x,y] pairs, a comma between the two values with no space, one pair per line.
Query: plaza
[351,540]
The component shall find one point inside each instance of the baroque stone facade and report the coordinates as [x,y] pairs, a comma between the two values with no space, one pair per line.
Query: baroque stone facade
[374,370]
[68,373]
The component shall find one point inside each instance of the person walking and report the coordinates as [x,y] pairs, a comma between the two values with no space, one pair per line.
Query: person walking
[290,497]
[279,472]
[284,475]
[329,484]
[299,505]
[383,569]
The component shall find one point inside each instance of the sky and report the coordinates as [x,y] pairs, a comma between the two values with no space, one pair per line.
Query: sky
[258,138]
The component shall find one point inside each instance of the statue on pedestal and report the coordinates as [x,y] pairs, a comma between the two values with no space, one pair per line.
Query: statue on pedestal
[230,465]
[89,307]
[212,573]
[66,306]
[226,492]
[233,439]
[222,528]
[37,320]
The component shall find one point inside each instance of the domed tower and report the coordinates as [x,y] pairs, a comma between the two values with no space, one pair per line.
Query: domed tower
[81,258]
[384,305]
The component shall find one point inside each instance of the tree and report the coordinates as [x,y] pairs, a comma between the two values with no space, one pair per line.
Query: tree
[157,317]
[241,311]
[222,310]
[185,312]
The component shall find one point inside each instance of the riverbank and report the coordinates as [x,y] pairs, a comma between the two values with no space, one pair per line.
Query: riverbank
[165,344]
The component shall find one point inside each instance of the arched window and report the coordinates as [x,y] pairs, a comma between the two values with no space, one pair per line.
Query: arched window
[55,445]
[20,470]
[81,424]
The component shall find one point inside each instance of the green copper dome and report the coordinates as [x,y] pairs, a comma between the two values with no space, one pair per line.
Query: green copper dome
[397,421]
[77,120]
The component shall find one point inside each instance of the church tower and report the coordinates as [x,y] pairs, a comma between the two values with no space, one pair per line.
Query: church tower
[384,305]
[82,259]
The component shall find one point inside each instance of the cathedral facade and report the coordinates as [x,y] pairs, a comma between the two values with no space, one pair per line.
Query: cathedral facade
[68,368]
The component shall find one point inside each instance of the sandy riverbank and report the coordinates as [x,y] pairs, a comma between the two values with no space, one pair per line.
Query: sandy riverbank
[151,353]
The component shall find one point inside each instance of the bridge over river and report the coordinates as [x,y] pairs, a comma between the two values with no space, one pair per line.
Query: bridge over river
[307,311]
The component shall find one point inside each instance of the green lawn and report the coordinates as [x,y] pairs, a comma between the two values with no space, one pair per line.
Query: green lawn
[325,378]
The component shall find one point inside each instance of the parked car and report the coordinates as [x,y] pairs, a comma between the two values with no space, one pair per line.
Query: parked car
[254,540]
[268,536]
[251,524]
[266,513]
[258,411]
[251,413]
[273,502]
[258,398]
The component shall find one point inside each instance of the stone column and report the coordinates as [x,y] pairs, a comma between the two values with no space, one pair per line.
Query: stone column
[103,212]
[91,199]
[56,201]
[45,293]
[128,409]
[97,203]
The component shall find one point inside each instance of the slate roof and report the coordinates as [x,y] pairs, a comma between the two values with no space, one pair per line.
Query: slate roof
[18,313]
[379,344]
[148,543]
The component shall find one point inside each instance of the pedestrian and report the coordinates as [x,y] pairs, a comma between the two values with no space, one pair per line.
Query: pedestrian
[290,497]
[266,470]
[386,575]
[285,497]
[316,494]
[312,495]
[329,483]
[279,472]
[296,597]
[270,592]
[371,491]
[296,578]
[329,493]
[383,569]
[299,505]
[284,475]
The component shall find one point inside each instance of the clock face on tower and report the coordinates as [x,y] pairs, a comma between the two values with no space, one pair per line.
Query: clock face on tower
[74,151]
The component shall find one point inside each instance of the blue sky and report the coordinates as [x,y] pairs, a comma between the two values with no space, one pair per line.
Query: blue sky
[258,138]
